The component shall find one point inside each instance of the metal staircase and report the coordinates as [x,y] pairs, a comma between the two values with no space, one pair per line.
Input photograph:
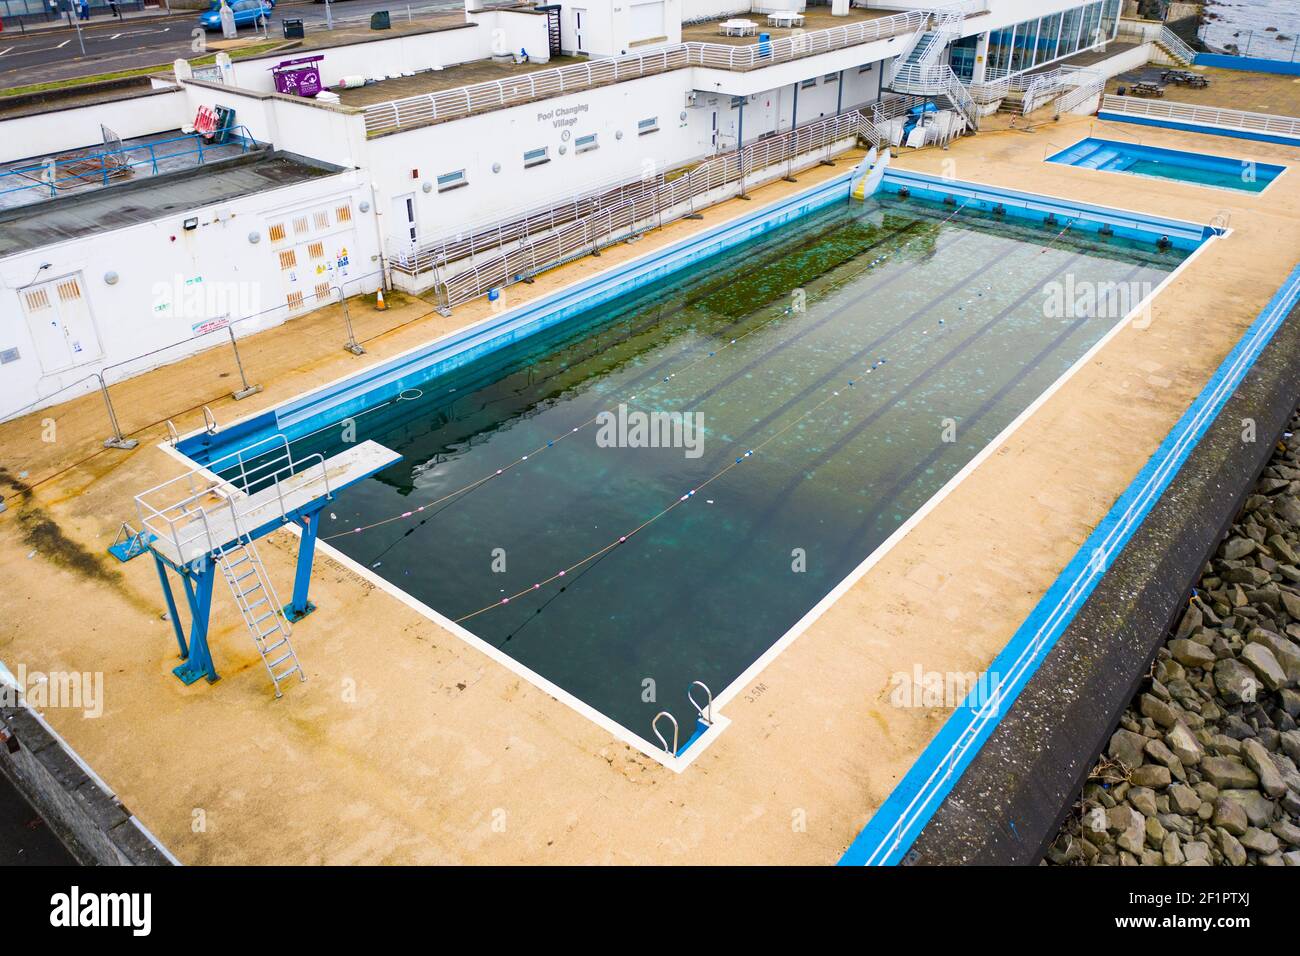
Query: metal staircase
[260,608]
[915,72]
[1170,43]
[924,70]
[1174,46]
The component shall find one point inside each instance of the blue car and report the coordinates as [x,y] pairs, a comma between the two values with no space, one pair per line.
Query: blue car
[246,13]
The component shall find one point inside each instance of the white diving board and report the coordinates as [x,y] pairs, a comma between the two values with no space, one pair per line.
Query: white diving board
[205,514]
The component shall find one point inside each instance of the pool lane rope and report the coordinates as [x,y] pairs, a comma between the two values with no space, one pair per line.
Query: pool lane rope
[682,499]
[551,443]
[922,342]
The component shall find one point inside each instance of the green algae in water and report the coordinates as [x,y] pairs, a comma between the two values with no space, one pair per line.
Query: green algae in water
[951,314]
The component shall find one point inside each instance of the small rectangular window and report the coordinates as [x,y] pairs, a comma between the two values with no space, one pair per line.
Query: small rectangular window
[831,78]
[535,157]
[865,68]
[8,355]
[649,125]
[811,81]
[452,180]
[584,143]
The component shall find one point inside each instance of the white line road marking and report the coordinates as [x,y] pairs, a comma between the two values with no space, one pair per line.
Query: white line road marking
[5,50]
[63,44]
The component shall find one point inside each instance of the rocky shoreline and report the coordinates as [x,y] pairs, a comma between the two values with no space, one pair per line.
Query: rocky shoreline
[1204,768]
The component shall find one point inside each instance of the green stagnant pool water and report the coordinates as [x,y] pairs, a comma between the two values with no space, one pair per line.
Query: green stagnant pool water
[963,321]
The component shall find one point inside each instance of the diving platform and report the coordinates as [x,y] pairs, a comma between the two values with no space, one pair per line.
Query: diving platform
[207,521]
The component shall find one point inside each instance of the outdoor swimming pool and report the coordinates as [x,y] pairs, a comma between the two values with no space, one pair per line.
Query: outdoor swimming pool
[818,385]
[1198,168]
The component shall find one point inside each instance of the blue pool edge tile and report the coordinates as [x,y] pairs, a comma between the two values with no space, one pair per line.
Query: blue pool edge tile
[888,835]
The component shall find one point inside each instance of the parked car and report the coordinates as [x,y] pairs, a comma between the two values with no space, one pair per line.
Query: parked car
[246,13]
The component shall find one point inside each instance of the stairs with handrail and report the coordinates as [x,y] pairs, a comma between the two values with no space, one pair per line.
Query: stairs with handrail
[923,71]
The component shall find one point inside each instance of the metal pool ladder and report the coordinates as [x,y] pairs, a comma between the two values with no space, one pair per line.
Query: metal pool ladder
[703,719]
[260,608]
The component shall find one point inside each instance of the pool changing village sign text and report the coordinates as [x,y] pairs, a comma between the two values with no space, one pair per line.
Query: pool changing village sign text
[562,116]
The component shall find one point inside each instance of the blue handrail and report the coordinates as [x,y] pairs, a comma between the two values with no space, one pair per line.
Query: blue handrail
[113,160]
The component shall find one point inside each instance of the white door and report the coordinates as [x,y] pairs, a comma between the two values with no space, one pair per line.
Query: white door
[60,322]
[578,16]
[404,225]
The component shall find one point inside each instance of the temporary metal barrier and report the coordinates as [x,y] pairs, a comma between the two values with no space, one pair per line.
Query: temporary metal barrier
[100,380]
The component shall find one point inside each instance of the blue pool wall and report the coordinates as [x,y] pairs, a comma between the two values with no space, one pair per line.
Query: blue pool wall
[1033,208]
[1200,128]
[349,397]
[895,826]
[385,381]
[1249,63]
[1085,148]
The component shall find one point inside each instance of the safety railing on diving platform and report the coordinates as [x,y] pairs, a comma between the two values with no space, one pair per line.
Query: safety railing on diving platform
[201,511]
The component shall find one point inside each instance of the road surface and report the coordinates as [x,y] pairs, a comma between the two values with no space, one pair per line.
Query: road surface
[55,53]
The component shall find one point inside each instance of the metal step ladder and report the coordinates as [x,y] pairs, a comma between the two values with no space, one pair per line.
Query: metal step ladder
[261,609]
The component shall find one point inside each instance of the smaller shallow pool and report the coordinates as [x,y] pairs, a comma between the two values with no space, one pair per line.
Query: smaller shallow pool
[1221,171]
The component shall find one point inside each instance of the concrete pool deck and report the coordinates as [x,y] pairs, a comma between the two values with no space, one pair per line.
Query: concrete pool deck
[408,746]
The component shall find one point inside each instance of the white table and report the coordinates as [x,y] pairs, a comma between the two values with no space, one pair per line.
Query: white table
[784,18]
[737,28]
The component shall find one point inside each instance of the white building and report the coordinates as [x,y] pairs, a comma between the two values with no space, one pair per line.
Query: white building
[426,138]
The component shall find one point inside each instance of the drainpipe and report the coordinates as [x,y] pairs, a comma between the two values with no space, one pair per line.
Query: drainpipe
[794,121]
[839,94]
[740,145]
[384,277]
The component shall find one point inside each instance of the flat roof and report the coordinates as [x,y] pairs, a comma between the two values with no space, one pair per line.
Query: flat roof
[128,204]
[141,157]
[1087,58]
[450,77]
[81,94]
[815,18]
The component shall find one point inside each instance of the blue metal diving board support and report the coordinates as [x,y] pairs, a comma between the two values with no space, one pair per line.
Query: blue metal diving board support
[282,493]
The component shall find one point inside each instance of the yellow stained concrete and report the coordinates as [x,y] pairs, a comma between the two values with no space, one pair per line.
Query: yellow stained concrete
[408,746]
